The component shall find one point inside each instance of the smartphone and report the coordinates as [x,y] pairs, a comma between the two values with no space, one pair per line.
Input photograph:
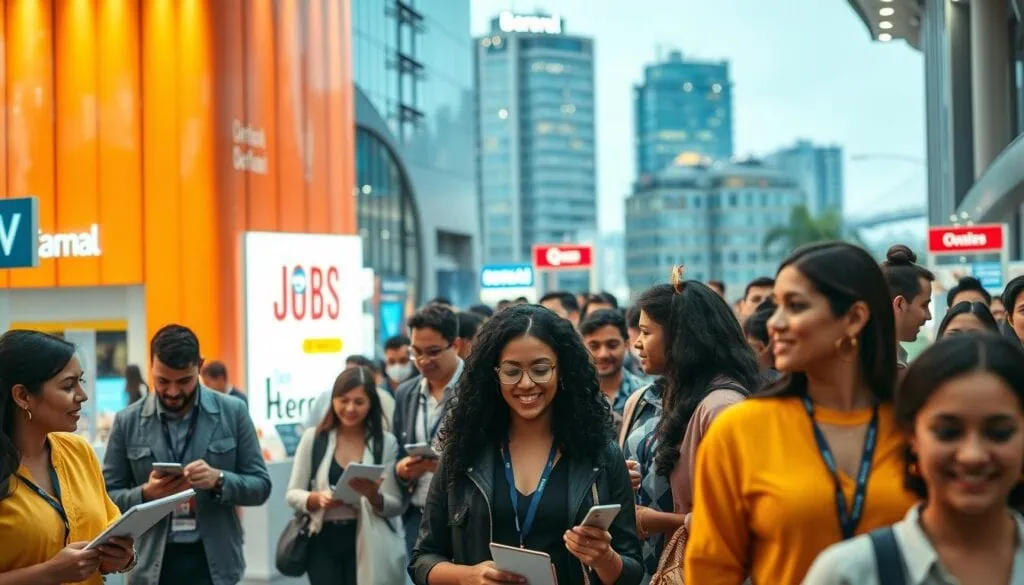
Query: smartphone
[421,450]
[601,517]
[169,468]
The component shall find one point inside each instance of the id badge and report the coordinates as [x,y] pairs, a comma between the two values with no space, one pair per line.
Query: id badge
[183,519]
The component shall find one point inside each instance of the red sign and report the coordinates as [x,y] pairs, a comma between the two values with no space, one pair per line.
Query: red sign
[965,240]
[563,256]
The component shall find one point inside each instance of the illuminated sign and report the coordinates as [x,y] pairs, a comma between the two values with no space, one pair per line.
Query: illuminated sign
[530,23]
[301,322]
[19,219]
[961,240]
[563,256]
[506,276]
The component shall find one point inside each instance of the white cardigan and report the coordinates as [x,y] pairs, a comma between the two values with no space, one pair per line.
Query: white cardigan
[298,486]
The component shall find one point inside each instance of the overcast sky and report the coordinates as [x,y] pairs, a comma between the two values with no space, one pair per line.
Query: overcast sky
[801,69]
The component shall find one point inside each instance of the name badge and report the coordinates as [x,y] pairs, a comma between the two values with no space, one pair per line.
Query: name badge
[183,519]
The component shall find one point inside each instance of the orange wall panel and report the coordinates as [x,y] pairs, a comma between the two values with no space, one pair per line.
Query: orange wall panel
[198,215]
[30,137]
[316,118]
[291,126]
[4,278]
[340,119]
[163,232]
[120,142]
[261,109]
[77,200]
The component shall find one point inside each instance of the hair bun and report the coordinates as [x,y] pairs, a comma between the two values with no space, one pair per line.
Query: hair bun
[900,254]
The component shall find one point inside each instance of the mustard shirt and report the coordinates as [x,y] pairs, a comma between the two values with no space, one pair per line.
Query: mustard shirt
[764,500]
[32,532]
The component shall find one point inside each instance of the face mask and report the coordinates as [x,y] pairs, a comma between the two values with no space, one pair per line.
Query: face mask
[398,372]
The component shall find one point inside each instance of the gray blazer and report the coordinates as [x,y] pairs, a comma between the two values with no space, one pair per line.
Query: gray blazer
[226,439]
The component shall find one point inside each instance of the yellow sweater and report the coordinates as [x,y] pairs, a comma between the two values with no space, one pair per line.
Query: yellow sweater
[764,501]
[31,530]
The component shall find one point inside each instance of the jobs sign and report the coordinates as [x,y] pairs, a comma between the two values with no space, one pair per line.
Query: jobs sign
[301,322]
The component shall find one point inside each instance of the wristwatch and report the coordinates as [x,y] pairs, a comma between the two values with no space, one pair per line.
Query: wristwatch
[220,481]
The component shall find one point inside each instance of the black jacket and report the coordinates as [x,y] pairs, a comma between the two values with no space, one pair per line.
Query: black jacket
[457,527]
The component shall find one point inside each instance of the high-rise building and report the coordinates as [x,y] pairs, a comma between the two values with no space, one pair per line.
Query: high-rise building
[535,142]
[711,218]
[818,170]
[683,106]
[415,151]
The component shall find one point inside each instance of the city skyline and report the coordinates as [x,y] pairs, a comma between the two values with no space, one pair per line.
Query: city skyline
[803,69]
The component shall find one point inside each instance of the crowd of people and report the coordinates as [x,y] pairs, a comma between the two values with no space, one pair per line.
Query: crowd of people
[784,439]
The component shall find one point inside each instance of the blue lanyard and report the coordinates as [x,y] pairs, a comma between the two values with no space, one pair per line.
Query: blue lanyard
[513,493]
[847,522]
[179,456]
[54,503]
[429,434]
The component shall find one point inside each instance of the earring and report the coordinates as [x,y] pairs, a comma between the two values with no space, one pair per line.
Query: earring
[912,469]
[846,346]
[29,413]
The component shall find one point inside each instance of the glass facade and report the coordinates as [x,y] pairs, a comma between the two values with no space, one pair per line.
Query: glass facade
[385,210]
[712,219]
[536,145]
[682,106]
[818,169]
[410,61]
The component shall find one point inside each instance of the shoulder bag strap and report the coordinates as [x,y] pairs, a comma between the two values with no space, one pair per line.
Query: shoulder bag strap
[887,557]
[627,417]
[319,450]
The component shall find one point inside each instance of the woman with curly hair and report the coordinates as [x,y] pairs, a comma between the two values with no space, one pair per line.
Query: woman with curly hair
[688,335]
[527,449]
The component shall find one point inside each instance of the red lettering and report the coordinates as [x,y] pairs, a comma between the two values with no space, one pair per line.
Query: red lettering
[281,306]
[316,295]
[334,303]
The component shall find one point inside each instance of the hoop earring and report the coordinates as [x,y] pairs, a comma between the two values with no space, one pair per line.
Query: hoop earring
[846,347]
[29,413]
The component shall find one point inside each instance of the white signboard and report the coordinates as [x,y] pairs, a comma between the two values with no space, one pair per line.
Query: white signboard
[303,317]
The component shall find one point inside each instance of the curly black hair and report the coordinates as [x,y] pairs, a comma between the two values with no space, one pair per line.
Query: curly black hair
[479,417]
[703,340]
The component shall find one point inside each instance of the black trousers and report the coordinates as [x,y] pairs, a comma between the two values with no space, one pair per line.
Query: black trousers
[332,555]
[185,564]
[411,520]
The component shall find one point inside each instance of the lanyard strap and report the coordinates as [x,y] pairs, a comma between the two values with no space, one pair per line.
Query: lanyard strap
[513,493]
[180,457]
[847,521]
[430,433]
[53,502]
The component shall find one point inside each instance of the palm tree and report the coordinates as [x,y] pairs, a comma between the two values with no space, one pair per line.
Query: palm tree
[804,229]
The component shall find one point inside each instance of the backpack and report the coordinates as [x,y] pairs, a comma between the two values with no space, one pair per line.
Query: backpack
[887,557]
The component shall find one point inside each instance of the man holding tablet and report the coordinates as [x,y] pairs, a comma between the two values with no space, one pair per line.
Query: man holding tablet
[179,437]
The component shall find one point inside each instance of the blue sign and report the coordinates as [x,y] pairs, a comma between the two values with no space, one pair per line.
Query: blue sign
[506,276]
[19,233]
[393,292]
[989,273]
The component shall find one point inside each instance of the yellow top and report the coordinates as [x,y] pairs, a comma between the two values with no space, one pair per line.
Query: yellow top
[764,500]
[32,532]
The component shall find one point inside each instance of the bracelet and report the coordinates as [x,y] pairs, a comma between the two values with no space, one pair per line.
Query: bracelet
[641,531]
[132,563]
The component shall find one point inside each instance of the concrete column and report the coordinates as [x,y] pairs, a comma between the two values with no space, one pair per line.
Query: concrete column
[990,80]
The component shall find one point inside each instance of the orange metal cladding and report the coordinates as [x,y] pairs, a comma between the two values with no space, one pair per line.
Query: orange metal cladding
[77,200]
[146,116]
[291,124]
[30,139]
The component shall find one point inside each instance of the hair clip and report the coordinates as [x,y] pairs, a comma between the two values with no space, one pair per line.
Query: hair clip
[678,272]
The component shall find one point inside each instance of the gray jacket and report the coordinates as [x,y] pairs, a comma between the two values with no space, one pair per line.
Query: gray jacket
[226,439]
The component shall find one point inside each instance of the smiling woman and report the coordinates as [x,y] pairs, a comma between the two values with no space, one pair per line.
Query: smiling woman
[50,479]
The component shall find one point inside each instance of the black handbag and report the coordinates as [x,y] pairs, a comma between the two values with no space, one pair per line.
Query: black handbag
[293,544]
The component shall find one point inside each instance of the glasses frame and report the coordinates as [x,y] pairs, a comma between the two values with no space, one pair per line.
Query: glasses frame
[525,372]
[429,355]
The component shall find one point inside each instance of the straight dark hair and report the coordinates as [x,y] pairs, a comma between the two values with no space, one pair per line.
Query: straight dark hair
[846,274]
[979,310]
[29,359]
[703,341]
[950,358]
[347,381]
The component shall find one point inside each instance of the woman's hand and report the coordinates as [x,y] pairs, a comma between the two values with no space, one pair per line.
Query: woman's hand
[73,564]
[593,547]
[116,554]
[634,473]
[322,501]
[369,490]
[487,573]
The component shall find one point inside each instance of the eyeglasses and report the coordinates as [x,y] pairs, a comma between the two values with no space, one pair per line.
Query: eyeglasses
[510,375]
[430,354]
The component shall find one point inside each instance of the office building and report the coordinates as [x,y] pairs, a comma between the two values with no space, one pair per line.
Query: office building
[818,170]
[536,149]
[683,105]
[974,108]
[415,159]
[711,218]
